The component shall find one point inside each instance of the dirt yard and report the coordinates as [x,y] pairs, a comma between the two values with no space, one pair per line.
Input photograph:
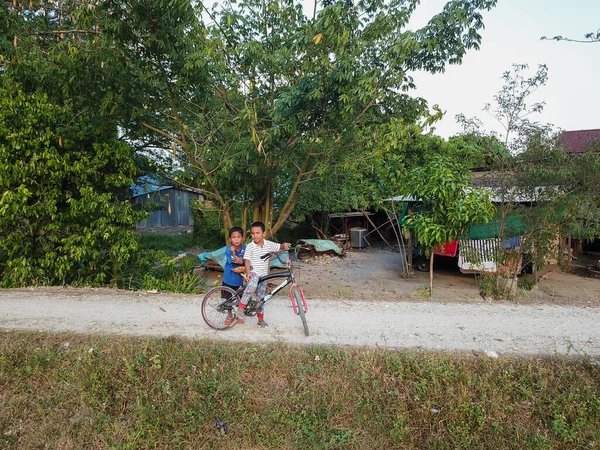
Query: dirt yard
[372,274]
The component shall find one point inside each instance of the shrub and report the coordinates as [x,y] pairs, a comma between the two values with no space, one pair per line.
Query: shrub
[208,225]
[64,187]
[527,282]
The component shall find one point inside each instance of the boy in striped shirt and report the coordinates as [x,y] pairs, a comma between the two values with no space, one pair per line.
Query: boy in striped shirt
[257,267]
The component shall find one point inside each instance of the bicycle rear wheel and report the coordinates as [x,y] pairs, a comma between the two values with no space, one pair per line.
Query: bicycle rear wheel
[301,312]
[218,308]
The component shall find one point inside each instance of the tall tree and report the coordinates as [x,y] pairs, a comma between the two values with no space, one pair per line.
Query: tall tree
[549,192]
[263,99]
[449,206]
[511,108]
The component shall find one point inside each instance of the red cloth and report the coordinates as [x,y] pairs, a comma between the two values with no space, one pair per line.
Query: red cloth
[448,249]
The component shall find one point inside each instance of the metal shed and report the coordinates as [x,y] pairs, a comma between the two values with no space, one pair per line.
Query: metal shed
[174,204]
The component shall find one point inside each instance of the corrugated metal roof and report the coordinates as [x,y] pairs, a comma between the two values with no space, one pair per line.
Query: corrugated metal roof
[137,189]
[148,185]
[579,141]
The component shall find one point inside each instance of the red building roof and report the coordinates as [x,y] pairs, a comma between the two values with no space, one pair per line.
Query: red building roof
[579,141]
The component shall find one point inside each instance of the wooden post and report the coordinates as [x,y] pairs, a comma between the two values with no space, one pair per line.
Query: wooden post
[409,254]
[431,274]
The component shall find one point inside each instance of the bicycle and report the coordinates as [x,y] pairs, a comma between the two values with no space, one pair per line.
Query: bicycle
[219,303]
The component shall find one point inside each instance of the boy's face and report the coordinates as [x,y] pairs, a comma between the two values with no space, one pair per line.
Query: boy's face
[236,238]
[257,234]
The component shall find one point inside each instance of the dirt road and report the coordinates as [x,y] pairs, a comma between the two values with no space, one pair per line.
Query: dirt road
[503,328]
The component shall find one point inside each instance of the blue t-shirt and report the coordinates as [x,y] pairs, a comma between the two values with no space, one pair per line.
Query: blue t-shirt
[229,276]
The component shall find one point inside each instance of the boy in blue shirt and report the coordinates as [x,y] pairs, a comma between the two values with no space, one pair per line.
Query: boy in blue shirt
[234,259]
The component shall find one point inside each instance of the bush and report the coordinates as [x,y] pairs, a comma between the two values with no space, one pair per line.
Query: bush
[176,243]
[65,215]
[155,270]
[526,282]
[487,286]
[208,226]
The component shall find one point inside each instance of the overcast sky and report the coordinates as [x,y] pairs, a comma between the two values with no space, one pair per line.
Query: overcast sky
[512,35]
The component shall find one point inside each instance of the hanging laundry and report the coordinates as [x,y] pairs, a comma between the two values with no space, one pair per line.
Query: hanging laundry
[478,255]
[511,242]
[448,249]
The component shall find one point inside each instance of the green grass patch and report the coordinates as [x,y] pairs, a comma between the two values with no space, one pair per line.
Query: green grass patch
[154,270]
[73,391]
[169,243]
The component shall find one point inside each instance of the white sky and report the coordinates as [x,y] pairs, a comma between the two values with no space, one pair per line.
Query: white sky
[512,35]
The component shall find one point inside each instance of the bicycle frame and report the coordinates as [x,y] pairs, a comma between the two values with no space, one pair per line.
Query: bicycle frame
[225,308]
[289,280]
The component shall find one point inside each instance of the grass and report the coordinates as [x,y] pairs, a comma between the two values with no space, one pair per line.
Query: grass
[340,291]
[72,391]
[171,244]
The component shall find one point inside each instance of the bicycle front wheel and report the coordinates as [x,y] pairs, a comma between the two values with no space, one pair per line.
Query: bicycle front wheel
[218,308]
[301,312]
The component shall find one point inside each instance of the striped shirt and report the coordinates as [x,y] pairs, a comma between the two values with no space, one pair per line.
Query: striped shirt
[254,253]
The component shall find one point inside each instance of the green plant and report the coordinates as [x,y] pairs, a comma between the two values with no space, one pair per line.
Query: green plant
[422,291]
[341,291]
[488,287]
[171,244]
[448,205]
[64,212]
[154,270]
[527,282]
[208,225]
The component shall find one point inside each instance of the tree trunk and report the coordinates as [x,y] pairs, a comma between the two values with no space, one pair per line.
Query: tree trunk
[409,254]
[431,274]
[561,250]
[227,222]
[245,218]
[263,208]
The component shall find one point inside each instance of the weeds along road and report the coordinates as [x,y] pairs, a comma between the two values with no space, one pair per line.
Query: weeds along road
[502,328]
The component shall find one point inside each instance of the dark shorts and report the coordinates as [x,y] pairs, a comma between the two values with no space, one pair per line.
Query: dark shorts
[225,294]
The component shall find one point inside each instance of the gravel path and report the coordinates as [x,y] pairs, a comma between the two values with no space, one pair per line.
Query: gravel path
[500,328]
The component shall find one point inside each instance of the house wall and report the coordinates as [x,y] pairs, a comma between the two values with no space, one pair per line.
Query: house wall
[174,208]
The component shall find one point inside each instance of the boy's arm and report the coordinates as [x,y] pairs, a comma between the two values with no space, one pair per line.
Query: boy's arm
[247,260]
[285,246]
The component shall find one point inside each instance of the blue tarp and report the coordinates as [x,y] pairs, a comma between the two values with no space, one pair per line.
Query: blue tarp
[218,256]
[323,245]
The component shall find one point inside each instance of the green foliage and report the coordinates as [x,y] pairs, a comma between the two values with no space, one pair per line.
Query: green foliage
[449,204]
[593,36]
[154,270]
[166,393]
[253,114]
[527,282]
[511,106]
[422,291]
[170,244]
[550,192]
[258,114]
[488,286]
[64,212]
[208,227]
[477,151]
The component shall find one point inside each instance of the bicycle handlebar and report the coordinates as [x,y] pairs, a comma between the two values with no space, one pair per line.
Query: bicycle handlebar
[279,252]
